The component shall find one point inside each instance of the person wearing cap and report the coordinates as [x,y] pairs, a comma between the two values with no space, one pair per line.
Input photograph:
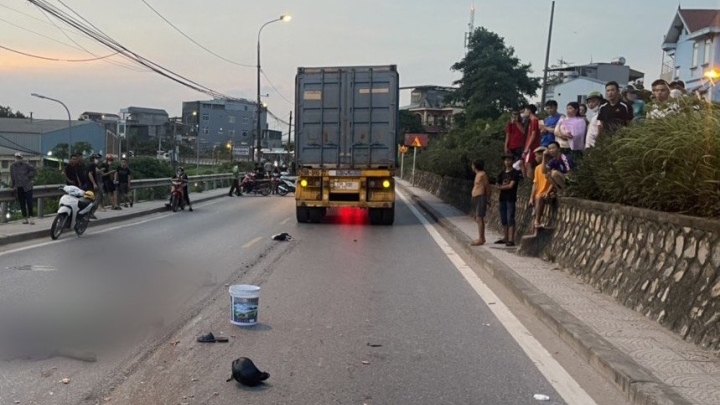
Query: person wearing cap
[22,175]
[629,96]
[540,189]
[594,100]
[507,183]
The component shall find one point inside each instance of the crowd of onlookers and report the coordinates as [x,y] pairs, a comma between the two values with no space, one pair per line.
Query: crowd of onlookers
[547,150]
[110,185]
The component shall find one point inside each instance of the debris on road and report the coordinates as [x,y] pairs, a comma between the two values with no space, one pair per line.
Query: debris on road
[365,362]
[210,338]
[245,372]
[174,343]
[65,381]
[373,345]
[282,237]
[541,397]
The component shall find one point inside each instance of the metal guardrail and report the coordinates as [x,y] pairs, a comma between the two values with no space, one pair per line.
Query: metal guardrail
[54,190]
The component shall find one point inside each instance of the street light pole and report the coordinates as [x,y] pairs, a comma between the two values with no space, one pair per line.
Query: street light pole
[69,120]
[284,17]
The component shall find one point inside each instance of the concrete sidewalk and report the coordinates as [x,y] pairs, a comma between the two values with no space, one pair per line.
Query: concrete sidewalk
[649,363]
[16,231]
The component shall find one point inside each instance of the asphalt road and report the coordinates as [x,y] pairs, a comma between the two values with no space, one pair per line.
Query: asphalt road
[349,313]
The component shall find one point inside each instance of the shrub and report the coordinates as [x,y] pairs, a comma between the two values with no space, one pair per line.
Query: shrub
[670,164]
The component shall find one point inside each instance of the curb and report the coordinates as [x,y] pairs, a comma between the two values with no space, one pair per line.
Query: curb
[26,236]
[639,385]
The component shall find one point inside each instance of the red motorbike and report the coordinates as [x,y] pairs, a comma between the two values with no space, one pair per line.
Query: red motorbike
[177,195]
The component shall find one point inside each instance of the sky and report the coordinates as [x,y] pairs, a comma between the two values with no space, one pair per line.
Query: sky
[422,37]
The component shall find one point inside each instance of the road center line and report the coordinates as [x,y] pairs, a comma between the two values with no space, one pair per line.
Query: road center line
[556,375]
[252,242]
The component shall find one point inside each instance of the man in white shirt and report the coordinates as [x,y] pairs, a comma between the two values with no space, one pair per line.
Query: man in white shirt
[594,100]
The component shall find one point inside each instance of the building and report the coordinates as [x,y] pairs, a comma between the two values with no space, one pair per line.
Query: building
[143,124]
[692,51]
[573,83]
[429,104]
[221,121]
[35,138]
[110,122]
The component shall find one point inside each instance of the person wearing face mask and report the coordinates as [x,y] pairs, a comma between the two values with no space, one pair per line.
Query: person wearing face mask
[594,100]
[629,95]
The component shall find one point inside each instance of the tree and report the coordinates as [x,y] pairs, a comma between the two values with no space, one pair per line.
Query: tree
[6,112]
[82,147]
[493,77]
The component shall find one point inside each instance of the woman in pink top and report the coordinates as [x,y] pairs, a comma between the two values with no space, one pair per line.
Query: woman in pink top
[570,131]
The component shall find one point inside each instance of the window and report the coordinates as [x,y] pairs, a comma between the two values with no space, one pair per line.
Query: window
[206,117]
[708,50]
[245,120]
[246,108]
[231,132]
[206,131]
[244,134]
[231,119]
[696,54]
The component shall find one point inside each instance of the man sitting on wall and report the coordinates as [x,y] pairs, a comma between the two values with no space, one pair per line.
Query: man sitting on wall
[540,189]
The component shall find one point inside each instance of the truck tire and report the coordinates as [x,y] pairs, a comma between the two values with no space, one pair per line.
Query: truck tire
[316,215]
[376,216]
[388,216]
[302,214]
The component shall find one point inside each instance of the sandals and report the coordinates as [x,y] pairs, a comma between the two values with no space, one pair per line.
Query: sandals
[210,338]
[501,242]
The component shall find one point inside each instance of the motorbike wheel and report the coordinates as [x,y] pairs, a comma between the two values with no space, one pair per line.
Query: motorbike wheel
[58,225]
[265,191]
[174,203]
[282,191]
[81,226]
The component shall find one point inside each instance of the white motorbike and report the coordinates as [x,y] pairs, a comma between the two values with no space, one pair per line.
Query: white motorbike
[73,212]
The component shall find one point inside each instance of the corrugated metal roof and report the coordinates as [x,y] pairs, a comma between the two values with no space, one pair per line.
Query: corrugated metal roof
[36,126]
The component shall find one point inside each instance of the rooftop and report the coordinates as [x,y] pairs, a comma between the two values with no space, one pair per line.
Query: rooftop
[36,126]
[699,19]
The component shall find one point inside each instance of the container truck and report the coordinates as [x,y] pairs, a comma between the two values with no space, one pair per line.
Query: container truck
[346,140]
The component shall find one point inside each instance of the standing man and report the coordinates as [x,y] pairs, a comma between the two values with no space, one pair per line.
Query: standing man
[94,167]
[73,171]
[235,186]
[514,136]
[123,175]
[614,114]
[107,181]
[22,174]
[508,181]
[480,201]
[547,126]
[594,100]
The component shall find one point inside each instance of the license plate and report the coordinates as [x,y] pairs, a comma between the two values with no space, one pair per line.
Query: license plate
[346,185]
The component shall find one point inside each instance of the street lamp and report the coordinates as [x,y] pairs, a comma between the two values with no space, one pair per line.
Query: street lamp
[284,17]
[69,121]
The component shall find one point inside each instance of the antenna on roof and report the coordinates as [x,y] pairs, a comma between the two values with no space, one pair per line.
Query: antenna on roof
[471,27]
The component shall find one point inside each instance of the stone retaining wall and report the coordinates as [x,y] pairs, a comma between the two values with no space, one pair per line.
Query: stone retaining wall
[663,265]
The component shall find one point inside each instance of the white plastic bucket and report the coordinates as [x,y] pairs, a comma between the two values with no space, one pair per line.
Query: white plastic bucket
[244,300]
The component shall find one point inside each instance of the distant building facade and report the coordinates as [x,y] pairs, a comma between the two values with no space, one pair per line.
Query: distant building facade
[220,121]
[692,50]
[143,124]
[575,82]
[430,107]
[110,122]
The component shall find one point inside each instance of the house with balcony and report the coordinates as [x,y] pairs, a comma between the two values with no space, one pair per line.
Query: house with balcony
[574,83]
[430,107]
[692,51]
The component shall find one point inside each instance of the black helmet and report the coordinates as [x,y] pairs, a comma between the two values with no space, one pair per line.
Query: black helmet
[180,169]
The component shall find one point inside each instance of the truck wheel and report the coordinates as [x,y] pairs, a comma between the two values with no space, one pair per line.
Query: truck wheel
[388,216]
[376,216]
[302,215]
[316,214]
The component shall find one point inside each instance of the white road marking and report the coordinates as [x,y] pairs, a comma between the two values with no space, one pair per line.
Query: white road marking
[71,234]
[252,242]
[556,375]
[285,221]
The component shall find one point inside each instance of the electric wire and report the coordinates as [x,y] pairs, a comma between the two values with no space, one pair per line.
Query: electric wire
[192,40]
[276,90]
[55,59]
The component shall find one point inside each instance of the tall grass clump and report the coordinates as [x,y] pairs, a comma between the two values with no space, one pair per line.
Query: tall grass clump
[670,164]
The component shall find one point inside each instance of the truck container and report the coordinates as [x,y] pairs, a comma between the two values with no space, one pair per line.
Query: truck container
[346,140]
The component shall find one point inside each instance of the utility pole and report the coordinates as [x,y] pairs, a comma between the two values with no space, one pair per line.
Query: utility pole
[547,56]
[288,141]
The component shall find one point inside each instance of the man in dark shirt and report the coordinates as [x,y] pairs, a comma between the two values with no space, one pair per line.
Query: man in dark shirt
[614,114]
[123,175]
[507,183]
[108,184]
[76,172]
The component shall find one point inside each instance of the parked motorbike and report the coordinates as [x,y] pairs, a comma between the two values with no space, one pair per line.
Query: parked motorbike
[177,195]
[73,211]
[286,185]
[250,184]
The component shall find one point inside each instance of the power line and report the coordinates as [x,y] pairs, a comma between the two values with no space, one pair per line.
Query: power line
[55,59]
[192,40]
[273,87]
